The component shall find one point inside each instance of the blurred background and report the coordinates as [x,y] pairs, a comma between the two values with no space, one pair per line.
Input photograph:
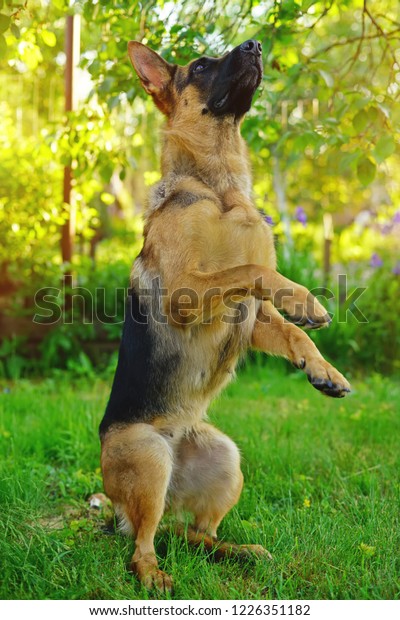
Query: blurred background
[80,145]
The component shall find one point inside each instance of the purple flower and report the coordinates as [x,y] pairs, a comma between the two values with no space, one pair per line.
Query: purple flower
[396,269]
[396,218]
[376,261]
[266,218]
[386,229]
[300,215]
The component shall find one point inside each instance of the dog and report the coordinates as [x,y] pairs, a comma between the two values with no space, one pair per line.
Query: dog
[204,289]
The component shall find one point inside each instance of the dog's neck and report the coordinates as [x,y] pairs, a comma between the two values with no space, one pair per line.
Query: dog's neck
[215,155]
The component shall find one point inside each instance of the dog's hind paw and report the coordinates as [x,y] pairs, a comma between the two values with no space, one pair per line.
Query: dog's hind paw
[240,552]
[253,550]
[150,576]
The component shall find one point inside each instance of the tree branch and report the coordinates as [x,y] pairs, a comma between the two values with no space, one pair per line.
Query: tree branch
[379,29]
[389,36]
[355,56]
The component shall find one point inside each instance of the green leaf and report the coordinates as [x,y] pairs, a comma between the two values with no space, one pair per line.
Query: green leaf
[94,67]
[48,38]
[113,102]
[176,28]
[327,77]
[3,46]
[107,198]
[366,171]
[384,148]
[305,5]
[106,85]
[60,4]
[348,160]
[4,22]
[385,111]
[106,170]
[306,138]
[360,103]
[373,114]
[360,121]
[15,31]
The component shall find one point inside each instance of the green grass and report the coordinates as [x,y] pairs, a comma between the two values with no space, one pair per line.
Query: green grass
[321,492]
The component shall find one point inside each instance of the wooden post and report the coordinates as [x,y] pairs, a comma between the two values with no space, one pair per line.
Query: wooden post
[66,232]
[328,238]
[68,228]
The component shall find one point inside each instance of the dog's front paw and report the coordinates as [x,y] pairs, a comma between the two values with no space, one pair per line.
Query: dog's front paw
[303,309]
[326,379]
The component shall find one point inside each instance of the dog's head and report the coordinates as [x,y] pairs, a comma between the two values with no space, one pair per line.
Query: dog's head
[216,86]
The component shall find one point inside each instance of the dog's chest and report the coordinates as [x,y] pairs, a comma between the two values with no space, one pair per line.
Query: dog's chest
[214,349]
[225,240]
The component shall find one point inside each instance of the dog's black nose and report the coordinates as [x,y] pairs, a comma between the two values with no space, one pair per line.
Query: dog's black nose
[251,46]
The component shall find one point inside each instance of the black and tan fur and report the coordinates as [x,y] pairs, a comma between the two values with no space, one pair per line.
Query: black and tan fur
[204,289]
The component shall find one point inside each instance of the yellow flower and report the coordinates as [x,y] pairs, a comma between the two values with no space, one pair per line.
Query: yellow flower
[367,550]
[306,503]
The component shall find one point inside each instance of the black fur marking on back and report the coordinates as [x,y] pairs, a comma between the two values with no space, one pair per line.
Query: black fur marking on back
[143,376]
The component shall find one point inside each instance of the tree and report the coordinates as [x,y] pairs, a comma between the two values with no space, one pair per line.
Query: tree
[327,112]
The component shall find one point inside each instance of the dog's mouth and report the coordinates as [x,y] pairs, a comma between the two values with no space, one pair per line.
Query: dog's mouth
[236,97]
[221,102]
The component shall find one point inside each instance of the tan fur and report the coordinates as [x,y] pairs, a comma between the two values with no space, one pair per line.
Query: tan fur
[204,238]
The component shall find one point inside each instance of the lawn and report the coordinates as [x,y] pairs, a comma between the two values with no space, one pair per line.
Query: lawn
[322,493]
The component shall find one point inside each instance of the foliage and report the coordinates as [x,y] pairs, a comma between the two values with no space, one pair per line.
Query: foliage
[31,209]
[78,339]
[323,136]
[377,343]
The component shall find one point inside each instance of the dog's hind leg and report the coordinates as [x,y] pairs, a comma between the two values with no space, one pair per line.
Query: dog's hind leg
[137,465]
[207,479]
[207,482]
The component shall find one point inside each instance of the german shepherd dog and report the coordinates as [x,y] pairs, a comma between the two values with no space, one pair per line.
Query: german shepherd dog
[203,290]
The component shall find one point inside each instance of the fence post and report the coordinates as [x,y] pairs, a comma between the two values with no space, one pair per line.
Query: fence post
[68,229]
[328,238]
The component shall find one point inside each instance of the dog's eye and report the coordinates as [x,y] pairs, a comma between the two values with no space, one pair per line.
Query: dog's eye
[199,67]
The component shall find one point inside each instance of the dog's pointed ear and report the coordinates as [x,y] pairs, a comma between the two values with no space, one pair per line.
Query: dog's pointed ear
[154,72]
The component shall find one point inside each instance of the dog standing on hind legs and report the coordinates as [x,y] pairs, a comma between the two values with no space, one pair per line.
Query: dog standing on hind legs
[203,290]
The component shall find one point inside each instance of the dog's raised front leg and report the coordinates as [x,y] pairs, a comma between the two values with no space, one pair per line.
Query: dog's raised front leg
[272,334]
[209,291]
